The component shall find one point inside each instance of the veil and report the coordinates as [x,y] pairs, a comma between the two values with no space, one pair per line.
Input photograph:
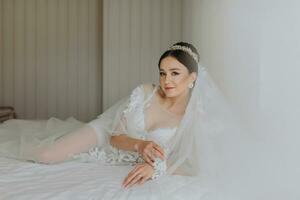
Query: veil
[210,141]
[206,143]
[207,118]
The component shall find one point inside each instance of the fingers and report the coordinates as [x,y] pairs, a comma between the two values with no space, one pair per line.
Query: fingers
[155,153]
[159,150]
[158,154]
[137,178]
[125,181]
[152,151]
[139,175]
[143,180]
[130,175]
[148,158]
[132,178]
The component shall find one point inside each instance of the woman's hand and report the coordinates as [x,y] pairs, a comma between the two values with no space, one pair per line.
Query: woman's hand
[149,151]
[140,174]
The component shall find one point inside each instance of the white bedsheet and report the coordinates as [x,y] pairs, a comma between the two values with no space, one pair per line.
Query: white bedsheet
[79,180]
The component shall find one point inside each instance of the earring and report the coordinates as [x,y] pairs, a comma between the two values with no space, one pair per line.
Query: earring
[191,85]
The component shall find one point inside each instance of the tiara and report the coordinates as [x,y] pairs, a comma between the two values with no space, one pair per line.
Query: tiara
[185,49]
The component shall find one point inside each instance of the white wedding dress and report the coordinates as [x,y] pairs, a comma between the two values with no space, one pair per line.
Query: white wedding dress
[139,113]
[111,164]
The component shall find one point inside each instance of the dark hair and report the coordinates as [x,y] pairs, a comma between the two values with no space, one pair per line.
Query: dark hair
[183,57]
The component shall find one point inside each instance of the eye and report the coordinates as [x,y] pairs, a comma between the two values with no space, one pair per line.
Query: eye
[162,73]
[175,73]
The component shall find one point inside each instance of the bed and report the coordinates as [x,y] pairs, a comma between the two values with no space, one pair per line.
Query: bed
[76,179]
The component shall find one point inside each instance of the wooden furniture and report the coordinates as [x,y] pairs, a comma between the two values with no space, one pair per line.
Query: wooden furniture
[7,112]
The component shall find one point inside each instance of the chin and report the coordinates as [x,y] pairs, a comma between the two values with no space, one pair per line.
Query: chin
[171,93]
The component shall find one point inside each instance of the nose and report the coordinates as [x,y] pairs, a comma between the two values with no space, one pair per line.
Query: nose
[167,78]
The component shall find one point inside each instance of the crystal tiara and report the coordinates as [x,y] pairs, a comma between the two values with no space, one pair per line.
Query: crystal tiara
[187,50]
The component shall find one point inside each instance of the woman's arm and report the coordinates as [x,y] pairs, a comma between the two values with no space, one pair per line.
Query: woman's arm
[142,172]
[126,143]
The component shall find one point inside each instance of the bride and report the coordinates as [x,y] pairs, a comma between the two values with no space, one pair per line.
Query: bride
[171,128]
[143,125]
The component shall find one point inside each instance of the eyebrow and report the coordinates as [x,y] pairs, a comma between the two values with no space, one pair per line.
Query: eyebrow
[172,69]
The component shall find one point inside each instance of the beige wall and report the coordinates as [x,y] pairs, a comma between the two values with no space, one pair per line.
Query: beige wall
[136,32]
[50,57]
[51,52]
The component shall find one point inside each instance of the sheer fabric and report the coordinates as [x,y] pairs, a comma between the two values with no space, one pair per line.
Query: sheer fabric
[197,144]
[139,116]
[146,119]
[201,137]
[156,116]
[48,141]
[207,140]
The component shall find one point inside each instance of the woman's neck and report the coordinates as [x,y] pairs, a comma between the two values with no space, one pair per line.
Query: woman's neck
[176,104]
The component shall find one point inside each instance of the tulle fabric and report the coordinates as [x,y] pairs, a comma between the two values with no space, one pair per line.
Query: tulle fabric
[24,139]
[207,119]
[205,140]
[55,140]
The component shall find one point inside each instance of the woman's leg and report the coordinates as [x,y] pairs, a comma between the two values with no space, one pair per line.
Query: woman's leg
[79,141]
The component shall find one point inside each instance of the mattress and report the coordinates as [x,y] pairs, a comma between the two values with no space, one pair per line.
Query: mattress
[77,180]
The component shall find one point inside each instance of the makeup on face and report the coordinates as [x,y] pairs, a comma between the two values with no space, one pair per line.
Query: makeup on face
[174,77]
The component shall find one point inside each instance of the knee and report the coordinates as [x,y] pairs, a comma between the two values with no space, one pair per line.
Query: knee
[46,157]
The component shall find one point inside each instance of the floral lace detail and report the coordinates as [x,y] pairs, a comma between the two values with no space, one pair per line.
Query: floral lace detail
[136,106]
[115,156]
[110,155]
[136,97]
[135,113]
[160,168]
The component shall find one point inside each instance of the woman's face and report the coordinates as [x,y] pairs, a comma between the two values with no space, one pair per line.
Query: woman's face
[174,77]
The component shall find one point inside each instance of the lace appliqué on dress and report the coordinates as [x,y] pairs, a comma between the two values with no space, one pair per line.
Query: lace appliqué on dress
[116,156]
[160,168]
[135,100]
[134,114]
[135,107]
[110,155]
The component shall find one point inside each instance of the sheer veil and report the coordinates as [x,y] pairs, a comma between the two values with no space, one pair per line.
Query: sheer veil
[206,140]
[207,143]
